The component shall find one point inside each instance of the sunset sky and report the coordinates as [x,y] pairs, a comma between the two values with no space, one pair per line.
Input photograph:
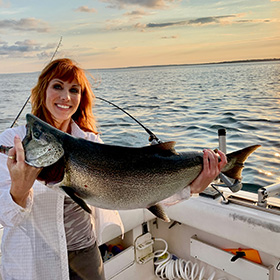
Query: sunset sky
[121,33]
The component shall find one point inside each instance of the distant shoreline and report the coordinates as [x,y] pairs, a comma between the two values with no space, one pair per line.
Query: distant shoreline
[170,65]
[193,64]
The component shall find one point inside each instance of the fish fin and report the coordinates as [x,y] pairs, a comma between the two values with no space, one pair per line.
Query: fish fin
[159,212]
[239,157]
[77,199]
[164,149]
[167,145]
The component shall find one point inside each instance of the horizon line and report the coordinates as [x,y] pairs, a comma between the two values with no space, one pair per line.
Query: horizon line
[170,65]
[192,64]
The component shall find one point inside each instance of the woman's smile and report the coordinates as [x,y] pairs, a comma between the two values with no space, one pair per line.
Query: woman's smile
[62,100]
[63,106]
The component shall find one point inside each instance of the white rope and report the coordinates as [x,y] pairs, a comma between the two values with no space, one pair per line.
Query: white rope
[170,268]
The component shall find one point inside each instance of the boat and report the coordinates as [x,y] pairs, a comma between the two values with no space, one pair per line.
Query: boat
[218,234]
[202,231]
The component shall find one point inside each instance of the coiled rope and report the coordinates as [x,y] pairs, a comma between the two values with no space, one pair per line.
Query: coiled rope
[169,267]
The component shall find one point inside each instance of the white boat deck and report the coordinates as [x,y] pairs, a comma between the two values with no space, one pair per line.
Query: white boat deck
[205,228]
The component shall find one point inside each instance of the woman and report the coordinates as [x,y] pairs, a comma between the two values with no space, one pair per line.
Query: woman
[46,235]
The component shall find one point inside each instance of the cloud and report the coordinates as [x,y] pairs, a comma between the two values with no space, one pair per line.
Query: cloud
[165,24]
[197,21]
[26,47]
[4,5]
[151,4]
[208,20]
[254,20]
[86,9]
[170,37]
[215,20]
[136,13]
[25,24]
[126,21]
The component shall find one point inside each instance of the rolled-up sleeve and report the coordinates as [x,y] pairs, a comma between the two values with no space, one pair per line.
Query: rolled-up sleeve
[11,214]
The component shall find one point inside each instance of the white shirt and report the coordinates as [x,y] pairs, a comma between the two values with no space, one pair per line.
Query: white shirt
[34,243]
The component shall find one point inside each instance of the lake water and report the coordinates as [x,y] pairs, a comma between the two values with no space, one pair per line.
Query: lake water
[187,104]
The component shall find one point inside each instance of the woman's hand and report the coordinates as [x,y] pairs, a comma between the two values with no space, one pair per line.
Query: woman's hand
[211,169]
[22,175]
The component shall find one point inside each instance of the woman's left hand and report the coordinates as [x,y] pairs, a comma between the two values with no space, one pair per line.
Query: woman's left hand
[211,169]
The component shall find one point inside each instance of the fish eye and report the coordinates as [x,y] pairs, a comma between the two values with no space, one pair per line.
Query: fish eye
[36,134]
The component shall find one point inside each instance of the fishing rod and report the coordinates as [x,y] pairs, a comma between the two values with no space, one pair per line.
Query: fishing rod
[18,115]
[27,100]
[152,135]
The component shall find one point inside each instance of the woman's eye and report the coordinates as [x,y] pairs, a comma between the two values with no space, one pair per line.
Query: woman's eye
[74,90]
[57,86]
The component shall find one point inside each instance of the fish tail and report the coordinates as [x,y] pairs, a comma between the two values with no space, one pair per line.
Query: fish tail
[236,160]
[4,149]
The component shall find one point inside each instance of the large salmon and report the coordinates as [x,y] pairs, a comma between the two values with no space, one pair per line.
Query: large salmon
[116,177]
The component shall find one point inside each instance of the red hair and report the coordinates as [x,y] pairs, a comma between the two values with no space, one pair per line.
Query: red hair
[66,70]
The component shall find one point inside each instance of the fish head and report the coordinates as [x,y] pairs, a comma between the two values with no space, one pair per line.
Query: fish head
[42,147]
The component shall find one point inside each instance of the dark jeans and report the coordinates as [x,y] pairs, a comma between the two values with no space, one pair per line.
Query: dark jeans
[86,264]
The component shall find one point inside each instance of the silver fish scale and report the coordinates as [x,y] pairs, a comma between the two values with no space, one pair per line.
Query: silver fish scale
[121,190]
[39,155]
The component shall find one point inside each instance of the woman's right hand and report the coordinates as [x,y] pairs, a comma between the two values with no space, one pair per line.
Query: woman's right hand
[22,174]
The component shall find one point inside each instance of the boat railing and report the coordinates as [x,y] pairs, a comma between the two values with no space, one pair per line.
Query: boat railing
[266,192]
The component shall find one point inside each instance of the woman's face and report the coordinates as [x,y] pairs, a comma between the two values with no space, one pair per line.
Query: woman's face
[62,99]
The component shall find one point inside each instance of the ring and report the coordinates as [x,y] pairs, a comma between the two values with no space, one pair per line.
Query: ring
[11,157]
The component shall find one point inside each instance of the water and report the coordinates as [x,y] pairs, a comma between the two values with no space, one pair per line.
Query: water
[187,104]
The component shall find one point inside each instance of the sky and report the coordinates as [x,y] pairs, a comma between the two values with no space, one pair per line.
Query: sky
[123,33]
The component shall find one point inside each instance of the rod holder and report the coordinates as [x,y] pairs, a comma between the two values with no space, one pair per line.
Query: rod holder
[266,192]
[222,140]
